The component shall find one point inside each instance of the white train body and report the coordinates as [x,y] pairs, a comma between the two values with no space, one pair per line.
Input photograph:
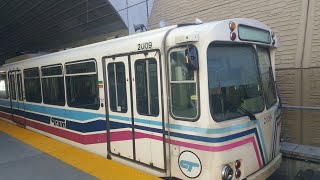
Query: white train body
[152,112]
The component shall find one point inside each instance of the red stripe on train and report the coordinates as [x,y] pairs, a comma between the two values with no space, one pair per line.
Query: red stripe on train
[6,116]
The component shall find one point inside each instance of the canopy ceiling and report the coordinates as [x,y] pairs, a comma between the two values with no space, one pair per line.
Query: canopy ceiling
[29,26]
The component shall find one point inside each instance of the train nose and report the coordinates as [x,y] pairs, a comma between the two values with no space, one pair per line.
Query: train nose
[269,132]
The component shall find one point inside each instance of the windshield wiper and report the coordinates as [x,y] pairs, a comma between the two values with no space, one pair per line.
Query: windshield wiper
[221,97]
[246,112]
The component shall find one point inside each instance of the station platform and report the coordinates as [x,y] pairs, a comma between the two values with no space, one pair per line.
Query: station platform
[28,155]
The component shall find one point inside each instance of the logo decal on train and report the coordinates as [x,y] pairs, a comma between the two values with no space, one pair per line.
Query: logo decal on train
[58,122]
[190,164]
[267,119]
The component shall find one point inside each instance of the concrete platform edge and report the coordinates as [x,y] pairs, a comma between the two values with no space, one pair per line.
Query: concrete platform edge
[299,151]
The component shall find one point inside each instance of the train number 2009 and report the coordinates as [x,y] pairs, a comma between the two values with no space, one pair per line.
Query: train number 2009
[144,46]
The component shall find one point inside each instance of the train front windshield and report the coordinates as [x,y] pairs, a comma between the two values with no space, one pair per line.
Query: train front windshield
[239,80]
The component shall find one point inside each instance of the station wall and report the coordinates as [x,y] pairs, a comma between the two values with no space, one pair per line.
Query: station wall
[296,24]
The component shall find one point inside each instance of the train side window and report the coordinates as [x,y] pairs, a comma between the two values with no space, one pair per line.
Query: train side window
[147,87]
[19,84]
[183,87]
[32,85]
[12,87]
[267,76]
[3,86]
[53,85]
[117,87]
[82,85]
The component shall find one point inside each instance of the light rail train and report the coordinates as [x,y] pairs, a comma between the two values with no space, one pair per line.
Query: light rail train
[190,101]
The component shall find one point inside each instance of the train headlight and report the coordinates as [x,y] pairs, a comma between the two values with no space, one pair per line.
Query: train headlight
[233,36]
[237,164]
[237,174]
[227,173]
[232,26]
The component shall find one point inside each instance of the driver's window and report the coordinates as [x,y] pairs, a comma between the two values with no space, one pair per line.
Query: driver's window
[183,86]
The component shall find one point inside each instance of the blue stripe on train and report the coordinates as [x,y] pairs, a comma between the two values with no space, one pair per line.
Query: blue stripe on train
[189,128]
[65,113]
[117,125]
[93,126]
[98,125]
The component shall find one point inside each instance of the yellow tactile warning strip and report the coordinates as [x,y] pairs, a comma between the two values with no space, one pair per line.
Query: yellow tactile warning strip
[90,163]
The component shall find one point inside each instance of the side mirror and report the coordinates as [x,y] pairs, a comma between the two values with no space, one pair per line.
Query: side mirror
[192,60]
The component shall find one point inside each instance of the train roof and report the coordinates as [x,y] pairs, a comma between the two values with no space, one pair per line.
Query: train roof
[129,43]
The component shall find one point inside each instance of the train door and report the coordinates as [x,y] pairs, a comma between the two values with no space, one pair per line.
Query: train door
[135,120]
[16,97]
[147,109]
[120,132]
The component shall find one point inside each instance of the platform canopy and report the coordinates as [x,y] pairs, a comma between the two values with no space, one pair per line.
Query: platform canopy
[30,26]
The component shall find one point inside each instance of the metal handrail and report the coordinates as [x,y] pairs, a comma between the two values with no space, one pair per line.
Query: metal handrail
[301,107]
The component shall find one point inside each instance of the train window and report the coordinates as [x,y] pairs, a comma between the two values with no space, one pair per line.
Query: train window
[53,85]
[147,87]
[12,87]
[117,87]
[3,86]
[183,82]
[85,67]
[51,71]
[233,81]
[267,76]
[82,85]
[32,85]
[20,91]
